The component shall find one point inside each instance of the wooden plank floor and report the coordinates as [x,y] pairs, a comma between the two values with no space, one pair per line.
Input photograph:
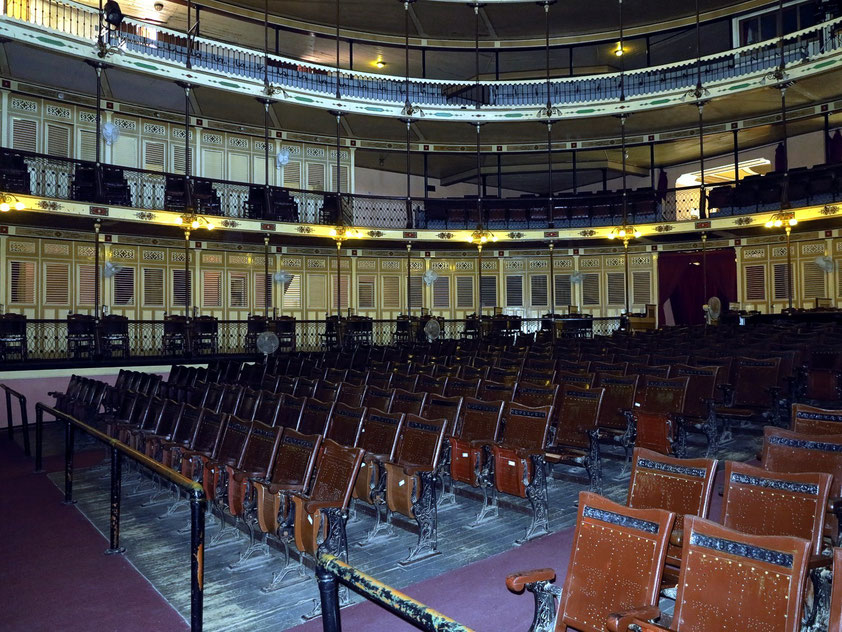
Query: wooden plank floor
[233,601]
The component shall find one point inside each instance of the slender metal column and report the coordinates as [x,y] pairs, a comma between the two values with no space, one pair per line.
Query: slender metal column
[187,284]
[267,285]
[197,561]
[408,280]
[788,267]
[69,441]
[329,596]
[116,488]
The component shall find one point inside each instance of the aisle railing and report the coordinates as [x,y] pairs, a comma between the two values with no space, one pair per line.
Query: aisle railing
[119,450]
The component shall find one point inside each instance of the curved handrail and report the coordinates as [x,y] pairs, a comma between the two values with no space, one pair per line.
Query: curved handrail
[308,77]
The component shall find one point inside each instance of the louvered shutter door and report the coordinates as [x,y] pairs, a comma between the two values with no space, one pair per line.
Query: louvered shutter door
[641,287]
[464,292]
[563,290]
[24,135]
[153,156]
[87,278]
[755,283]
[616,288]
[316,291]
[441,292]
[180,287]
[514,291]
[87,145]
[538,290]
[153,287]
[22,286]
[125,152]
[238,286]
[292,175]
[780,273]
[238,167]
[391,292]
[124,287]
[58,140]
[814,280]
[416,296]
[57,286]
[488,290]
[315,176]
[262,289]
[212,164]
[590,288]
[365,292]
[292,293]
[343,291]
[211,288]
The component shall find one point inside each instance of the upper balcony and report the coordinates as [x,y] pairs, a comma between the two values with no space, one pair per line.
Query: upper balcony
[71,28]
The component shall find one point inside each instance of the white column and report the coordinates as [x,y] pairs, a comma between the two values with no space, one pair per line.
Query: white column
[6,120]
[654,294]
[739,263]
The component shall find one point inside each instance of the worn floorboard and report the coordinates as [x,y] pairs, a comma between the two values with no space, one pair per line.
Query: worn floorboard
[233,601]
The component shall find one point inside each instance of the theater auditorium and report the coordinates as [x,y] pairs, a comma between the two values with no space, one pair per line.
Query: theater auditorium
[444,315]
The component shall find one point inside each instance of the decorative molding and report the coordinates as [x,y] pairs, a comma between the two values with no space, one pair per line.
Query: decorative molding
[156,129]
[439,265]
[664,228]
[260,145]
[744,221]
[145,215]
[367,264]
[49,205]
[463,265]
[755,253]
[123,253]
[57,249]
[152,255]
[22,247]
[229,223]
[208,257]
[513,264]
[306,230]
[87,117]
[316,264]
[830,209]
[239,143]
[212,139]
[563,263]
[538,264]
[315,152]
[58,112]
[445,235]
[587,233]
[375,233]
[514,235]
[292,262]
[390,265]
[125,124]
[24,105]
[591,262]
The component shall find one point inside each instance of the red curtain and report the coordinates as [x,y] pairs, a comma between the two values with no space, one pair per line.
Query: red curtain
[681,284]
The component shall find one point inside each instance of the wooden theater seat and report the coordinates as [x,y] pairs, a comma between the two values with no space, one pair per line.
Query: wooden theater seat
[411,480]
[230,450]
[614,424]
[479,427]
[733,581]
[657,421]
[351,394]
[835,624]
[378,438]
[517,464]
[314,416]
[699,411]
[615,566]
[345,424]
[812,420]
[682,486]
[407,402]
[203,444]
[149,441]
[168,450]
[576,439]
[755,394]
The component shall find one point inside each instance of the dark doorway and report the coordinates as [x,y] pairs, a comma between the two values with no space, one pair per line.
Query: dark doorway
[686,280]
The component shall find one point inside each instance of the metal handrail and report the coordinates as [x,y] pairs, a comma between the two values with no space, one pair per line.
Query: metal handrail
[24,416]
[119,450]
[237,61]
[332,569]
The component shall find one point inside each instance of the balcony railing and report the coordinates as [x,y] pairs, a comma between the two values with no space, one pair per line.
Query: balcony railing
[47,340]
[156,42]
[54,177]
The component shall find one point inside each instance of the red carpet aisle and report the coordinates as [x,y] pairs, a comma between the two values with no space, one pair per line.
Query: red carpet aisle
[52,568]
[474,595]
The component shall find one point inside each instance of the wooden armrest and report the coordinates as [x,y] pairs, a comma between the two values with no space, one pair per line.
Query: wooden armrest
[241,476]
[516,582]
[819,561]
[313,506]
[677,538]
[620,621]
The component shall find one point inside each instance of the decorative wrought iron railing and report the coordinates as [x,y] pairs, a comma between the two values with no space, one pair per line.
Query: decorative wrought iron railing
[47,340]
[53,177]
[153,41]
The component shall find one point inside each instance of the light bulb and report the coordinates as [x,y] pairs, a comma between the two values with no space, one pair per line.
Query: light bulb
[769,224]
[637,234]
[778,223]
[179,220]
[195,224]
[4,207]
[493,237]
[611,235]
[19,206]
[483,239]
[622,232]
[619,51]
[793,221]
[211,226]
[333,232]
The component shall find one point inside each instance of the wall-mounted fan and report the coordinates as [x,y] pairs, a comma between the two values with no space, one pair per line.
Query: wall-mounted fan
[282,157]
[111,269]
[576,277]
[110,133]
[282,277]
[824,262]
[430,277]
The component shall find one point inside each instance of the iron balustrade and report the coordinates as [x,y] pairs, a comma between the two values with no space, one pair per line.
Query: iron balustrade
[119,450]
[331,569]
[52,177]
[24,416]
[47,339]
[166,44]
